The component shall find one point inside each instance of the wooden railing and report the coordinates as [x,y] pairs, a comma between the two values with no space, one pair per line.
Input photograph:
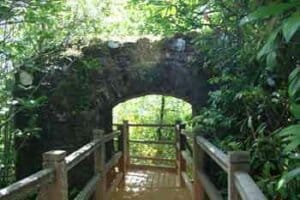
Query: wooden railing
[51,183]
[125,128]
[235,164]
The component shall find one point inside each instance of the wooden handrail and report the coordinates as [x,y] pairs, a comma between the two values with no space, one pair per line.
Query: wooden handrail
[153,158]
[28,185]
[188,134]
[247,188]
[113,161]
[152,142]
[89,189]
[112,135]
[217,155]
[148,125]
[51,182]
[186,156]
[114,185]
[187,182]
[76,157]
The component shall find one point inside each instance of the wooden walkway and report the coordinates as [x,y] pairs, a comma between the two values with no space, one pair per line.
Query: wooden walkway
[140,184]
[150,185]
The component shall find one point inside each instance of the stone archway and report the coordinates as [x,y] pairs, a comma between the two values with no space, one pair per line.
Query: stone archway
[83,94]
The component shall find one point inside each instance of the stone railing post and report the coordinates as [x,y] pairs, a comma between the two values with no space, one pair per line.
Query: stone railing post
[238,161]
[99,162]
[198,167]
[125,133]
[58,189]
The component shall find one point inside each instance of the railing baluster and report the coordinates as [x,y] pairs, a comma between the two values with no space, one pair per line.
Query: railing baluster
[58,189]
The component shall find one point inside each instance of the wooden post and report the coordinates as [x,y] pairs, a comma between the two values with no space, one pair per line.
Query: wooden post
[198,157]
[58,189]
[238,161]
[121,148]
[99,162]
[179,147]
[126,144]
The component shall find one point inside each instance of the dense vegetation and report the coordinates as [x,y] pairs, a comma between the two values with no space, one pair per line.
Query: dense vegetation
[152,109]
[251,51]
[250,48]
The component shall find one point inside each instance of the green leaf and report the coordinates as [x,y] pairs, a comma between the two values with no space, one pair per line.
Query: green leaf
[288,177]
[270,45]
[294,84]
[290,26]
[271,60]
[267,11]
[294,74]
[291,135]
[295,110]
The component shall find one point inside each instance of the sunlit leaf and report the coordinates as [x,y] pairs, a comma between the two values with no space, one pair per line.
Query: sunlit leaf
[267,11]
[295,173]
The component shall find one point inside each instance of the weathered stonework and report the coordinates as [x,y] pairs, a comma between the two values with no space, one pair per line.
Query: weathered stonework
[81,96]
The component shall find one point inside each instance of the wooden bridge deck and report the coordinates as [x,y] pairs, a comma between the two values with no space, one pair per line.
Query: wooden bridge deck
[149,185]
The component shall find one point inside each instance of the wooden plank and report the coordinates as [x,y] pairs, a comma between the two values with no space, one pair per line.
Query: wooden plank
[216,154]
[152,142]
[187,182]
[246,187]
[115,184]
[210,189]
[152,158]
[188,159]
[28,185]
[76,157]
[89,188]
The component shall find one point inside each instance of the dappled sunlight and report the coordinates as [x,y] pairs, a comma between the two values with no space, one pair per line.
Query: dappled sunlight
[148,185]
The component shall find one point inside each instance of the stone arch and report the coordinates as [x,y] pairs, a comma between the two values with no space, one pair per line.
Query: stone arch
[127,70]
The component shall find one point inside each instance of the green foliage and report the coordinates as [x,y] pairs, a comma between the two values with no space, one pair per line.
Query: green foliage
[249,50]
[149,110]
